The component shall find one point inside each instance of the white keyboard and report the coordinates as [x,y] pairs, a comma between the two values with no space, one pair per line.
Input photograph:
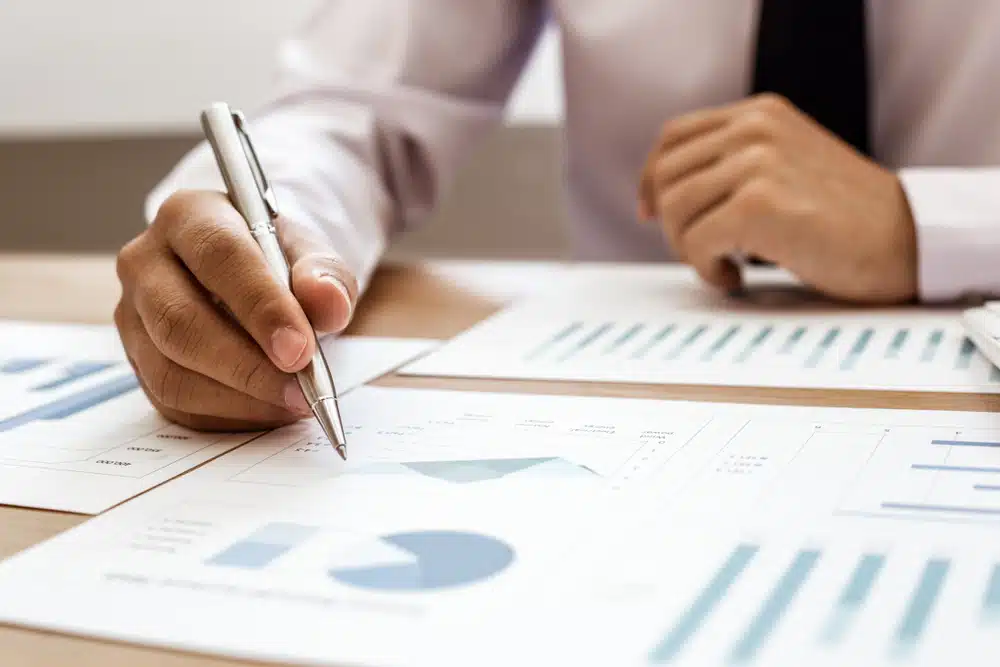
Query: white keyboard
[982,326]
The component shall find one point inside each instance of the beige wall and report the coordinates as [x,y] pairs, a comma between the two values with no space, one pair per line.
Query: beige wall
[85,194]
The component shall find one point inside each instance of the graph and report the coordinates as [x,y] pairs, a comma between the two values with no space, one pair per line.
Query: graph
[264,546]
[483,470]
[916,600]
[925,352]
[425,561]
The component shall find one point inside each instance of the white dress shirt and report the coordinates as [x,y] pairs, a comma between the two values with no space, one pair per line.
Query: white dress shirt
[377,102]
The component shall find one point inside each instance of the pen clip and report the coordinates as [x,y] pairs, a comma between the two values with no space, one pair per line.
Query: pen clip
[266,193]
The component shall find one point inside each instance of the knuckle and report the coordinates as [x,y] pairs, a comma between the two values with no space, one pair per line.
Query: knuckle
[758,196]
[174,209]
[214,249]
[756,124]
[772,103]
[128,258]
[265,307]
[174,326]
[761,157]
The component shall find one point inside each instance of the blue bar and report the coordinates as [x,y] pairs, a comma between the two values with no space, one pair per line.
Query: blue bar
[757,341]
[964,443]
[945,468]
[933,342]
[922,604]
[986,487]
[587,340]
[687,342]
[264,546]
[965,353]
[824,345]
[858,588]
[995,374]
[625,337]
[699,611]
[658,338]
[991,597]
[75,403]
[794,338]
[76,371]
[558,338]
[897,343]
[953,509]
[15,366]
[769,615]
[857,349]
[721,342]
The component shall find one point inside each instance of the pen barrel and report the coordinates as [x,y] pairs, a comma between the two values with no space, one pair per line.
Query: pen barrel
[315,379]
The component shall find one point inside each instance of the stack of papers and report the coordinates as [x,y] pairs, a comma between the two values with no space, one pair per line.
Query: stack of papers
[78,435]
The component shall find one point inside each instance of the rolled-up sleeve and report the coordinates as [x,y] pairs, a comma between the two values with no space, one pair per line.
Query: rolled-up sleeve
[957,216]
[376,104]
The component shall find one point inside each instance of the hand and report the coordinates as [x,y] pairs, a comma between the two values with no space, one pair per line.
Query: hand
[761,178]
[200,365]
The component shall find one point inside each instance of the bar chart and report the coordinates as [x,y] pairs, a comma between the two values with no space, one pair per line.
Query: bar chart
[928,353]
[823,624]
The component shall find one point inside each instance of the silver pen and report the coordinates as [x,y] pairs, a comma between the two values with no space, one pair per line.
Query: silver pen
[252,196]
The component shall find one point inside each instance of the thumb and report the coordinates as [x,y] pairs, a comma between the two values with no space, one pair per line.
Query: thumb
[321,280]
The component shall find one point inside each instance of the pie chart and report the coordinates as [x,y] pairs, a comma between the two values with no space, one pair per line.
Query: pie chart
[422,561]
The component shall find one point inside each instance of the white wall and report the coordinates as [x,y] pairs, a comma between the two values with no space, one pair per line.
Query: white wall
[71,67]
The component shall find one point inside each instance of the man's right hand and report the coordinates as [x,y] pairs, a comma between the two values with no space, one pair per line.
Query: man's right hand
[214,339]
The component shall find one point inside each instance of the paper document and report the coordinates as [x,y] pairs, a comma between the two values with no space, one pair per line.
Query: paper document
[635,330]
[553,530]
[77,434]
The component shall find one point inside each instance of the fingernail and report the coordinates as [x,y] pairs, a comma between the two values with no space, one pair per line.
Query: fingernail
[329,278]
[295,399]
[288,346]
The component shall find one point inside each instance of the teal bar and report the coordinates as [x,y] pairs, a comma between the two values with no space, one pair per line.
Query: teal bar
[857,350]
[858,588]
[995,374]
[770,613]
[897,343]
[699,611]
[828,340]
[922,604]
[757,341]
[632,332]
[965,354]
[721,343]
[687,342]
[587,340]
[792,340]
[933,343]
[657,338]
[555,340]
[991,597]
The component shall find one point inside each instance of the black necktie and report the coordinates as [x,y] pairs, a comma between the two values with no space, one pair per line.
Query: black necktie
[814,52]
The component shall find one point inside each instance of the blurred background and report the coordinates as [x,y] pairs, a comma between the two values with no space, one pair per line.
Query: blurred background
[98,99]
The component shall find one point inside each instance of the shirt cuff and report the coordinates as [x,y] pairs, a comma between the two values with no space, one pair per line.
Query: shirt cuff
[957,216]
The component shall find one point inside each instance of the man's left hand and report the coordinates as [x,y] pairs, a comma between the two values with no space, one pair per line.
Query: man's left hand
[760,178]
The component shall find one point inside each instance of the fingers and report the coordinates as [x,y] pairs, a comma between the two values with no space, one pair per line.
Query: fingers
[674,132]
[190,331]
[745,223]
[212,240]
[321,281]
[680,205]
[186,396]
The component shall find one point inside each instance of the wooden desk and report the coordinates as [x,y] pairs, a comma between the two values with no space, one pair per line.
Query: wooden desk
[431,300]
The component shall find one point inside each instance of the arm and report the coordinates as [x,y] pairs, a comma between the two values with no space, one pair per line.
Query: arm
[377,102]
[957,216]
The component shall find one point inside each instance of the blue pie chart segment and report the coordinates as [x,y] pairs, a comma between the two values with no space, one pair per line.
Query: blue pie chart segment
[428,561]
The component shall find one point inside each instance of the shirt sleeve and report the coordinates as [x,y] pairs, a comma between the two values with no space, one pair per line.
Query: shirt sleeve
[957,216]
[376,103]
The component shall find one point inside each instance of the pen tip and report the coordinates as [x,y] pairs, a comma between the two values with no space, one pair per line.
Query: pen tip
[342,451]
